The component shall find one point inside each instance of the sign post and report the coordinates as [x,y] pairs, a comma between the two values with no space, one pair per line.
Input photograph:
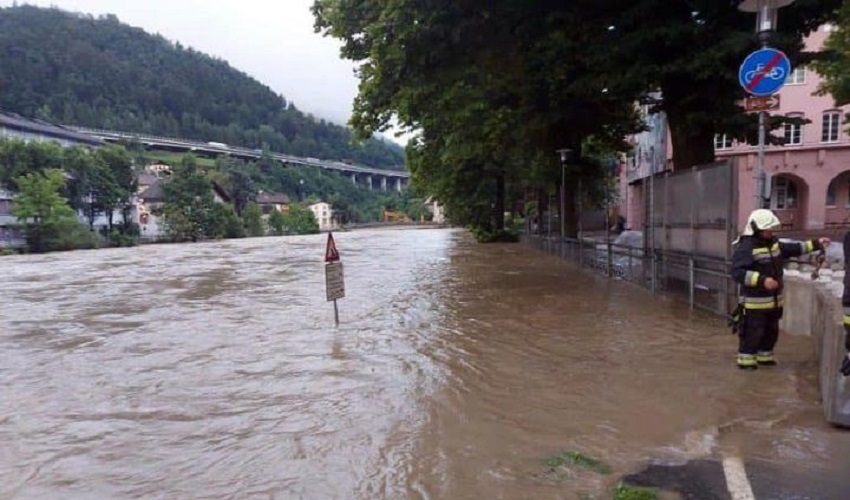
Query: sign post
[334,281]
[763,73]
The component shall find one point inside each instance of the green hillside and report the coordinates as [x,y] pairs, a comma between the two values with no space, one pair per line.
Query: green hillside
[97,72]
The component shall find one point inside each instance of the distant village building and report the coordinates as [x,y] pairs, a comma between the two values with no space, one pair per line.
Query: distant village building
[324,216]
[437,213]
[269,202]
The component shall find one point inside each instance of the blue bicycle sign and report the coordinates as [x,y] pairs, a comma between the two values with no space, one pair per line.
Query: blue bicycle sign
[764,72]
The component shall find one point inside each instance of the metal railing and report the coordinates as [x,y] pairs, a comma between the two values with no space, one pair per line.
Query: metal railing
[702,282]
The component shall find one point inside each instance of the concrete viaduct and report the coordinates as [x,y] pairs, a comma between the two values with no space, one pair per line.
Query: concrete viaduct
[371,178]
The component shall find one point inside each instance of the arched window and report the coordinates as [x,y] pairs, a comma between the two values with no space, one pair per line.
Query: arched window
[832,194]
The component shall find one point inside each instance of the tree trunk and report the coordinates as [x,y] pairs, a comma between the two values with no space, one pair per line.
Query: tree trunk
[570,212]
[691,147]
[499,205]
[692,129]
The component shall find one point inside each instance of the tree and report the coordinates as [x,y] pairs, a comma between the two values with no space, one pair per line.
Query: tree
[189,209]
[494,89]
[118,183]
[690,51]
[835,66]
[277,222]
[41,208]
[253,218]
[300,221]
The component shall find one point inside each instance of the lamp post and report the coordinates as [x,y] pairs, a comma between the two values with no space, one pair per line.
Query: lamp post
[565,156]
[766,21]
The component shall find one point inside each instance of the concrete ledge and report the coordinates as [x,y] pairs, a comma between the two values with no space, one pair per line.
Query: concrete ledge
[814,308]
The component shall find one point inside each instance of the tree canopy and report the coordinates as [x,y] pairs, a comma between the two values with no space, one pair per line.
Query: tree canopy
[493,89]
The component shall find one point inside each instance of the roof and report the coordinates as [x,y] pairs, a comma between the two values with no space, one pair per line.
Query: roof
[147,179]
[18,122]
[155,193]
[272,199]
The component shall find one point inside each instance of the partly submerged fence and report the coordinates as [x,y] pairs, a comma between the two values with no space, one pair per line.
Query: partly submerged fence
[702,282]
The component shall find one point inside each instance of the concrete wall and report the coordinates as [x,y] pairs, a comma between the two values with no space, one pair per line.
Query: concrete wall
[814,308]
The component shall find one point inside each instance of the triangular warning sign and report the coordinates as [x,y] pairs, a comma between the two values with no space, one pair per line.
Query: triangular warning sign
[331,254]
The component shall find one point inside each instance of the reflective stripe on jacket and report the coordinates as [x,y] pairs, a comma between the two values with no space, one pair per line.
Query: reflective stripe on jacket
[756,259]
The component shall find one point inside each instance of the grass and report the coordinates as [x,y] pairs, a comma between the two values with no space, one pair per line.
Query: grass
[172,158]
[623,492]
[575,458]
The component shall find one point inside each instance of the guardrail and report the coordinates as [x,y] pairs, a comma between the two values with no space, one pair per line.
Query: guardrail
[702,282]
[254,153]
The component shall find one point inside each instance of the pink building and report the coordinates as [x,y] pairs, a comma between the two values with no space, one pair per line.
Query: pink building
[809,176]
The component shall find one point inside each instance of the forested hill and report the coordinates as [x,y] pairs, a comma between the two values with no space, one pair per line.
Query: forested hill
[97,72]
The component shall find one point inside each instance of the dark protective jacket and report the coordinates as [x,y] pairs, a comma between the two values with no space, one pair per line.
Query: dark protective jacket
[756,259]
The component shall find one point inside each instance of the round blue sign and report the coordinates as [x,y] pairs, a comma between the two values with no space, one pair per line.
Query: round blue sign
[764,72]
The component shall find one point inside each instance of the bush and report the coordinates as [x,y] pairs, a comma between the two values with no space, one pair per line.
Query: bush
[501,236]
[117,239]
[69,234]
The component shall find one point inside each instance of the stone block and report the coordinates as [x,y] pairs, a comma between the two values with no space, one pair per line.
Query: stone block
[829,337]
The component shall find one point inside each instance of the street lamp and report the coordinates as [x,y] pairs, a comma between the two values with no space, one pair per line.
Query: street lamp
[565,156]
[766,22]
[766,14]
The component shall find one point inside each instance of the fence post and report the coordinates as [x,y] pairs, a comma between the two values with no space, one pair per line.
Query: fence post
[691,281]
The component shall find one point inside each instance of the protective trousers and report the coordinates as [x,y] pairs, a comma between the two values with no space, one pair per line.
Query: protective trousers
[758,335]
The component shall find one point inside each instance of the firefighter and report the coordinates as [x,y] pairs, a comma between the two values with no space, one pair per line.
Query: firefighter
[757,265]
[845,301]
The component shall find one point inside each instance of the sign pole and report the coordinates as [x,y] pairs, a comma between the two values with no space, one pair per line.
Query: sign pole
[334,281]
[760,180]
[762,74]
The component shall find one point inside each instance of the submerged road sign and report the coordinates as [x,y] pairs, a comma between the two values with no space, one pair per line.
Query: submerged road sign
[334,281]
[331,253]
[764,71]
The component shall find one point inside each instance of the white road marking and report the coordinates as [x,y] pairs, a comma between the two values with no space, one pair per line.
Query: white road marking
[736,479]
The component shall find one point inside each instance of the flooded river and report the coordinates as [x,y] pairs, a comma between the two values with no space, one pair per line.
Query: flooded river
[459,371]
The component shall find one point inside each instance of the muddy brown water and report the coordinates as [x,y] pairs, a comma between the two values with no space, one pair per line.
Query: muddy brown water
[214,371]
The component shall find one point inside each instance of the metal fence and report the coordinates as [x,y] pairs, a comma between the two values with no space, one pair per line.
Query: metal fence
[694,211]
[701,281]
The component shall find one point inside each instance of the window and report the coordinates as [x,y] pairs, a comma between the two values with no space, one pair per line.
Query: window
[831,122]
[784,194]
[793,133]
[797,77]
[722,141]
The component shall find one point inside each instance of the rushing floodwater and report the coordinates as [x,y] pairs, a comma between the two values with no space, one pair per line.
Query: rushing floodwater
[214,371]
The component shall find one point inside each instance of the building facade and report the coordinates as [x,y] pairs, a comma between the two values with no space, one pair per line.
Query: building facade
[809,175]
[324,216]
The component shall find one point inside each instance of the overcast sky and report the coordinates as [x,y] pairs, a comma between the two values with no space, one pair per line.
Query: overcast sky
[271,40]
